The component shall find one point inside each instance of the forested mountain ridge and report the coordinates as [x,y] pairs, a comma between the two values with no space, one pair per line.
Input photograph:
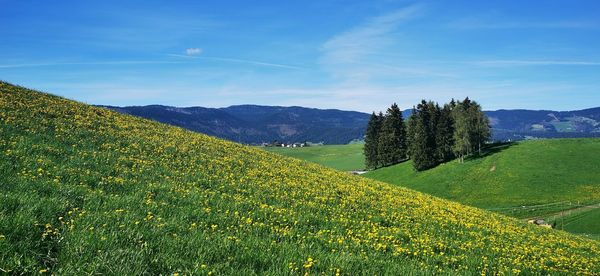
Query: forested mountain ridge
[254,124]
[517,124]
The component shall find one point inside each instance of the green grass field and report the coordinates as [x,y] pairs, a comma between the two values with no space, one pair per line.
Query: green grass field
[527,173]
[84,190]
[545,176]
[586,223]
[563,126]
[551,175]
[528,179]
[340,157]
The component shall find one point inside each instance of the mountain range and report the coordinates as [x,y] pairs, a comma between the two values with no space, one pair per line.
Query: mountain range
[521,124]
[255,124]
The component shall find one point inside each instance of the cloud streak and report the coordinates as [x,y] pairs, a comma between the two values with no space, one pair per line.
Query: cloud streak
[236,60]
[359,55]
[481,23]
[365,39]
[142,62]
[517,62]
[122,62]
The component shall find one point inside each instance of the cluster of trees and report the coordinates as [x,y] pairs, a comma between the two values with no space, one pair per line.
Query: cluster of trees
[432,134]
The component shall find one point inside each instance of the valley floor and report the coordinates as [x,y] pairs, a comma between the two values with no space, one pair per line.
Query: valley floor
[340,157]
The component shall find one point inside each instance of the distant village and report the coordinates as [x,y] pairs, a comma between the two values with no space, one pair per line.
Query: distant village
[291,144]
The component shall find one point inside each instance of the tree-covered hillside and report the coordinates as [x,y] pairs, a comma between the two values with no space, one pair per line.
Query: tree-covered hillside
[254,124]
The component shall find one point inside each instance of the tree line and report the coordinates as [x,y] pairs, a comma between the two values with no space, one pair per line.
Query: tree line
[433,134]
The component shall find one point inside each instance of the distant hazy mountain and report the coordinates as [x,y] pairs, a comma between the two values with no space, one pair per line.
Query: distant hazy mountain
[519,124]
[255,124]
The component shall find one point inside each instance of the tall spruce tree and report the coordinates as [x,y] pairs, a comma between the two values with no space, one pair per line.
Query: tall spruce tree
[372,140]
[434,116]
[411,126]
[422,146]
[444,139]
[392,138]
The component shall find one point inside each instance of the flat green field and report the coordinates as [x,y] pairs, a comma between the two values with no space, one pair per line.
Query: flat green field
[340,157]
[586,223]
[563,126]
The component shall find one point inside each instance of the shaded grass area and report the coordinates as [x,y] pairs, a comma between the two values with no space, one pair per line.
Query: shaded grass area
[340,157]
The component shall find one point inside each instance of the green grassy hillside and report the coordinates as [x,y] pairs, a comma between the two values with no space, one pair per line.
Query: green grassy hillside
[85,190]
[584,222]
[508,198]
[341,157]
[538,172]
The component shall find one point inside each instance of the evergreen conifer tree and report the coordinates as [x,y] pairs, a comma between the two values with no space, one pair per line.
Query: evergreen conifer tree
[392,138]
[372,140]
[411,125]
[422,146]
[444,139]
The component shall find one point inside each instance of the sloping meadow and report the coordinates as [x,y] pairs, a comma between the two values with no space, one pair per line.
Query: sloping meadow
[83,189]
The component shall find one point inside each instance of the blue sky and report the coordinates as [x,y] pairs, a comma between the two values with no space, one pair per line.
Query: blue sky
[352,55]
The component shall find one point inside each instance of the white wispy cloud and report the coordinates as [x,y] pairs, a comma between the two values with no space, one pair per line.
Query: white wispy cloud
[367,38]
[361,54]
[491,94]
[193,51]
[121,62]
[497,23]
[141,62]
[517,62]
[236,60]
[365,98]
